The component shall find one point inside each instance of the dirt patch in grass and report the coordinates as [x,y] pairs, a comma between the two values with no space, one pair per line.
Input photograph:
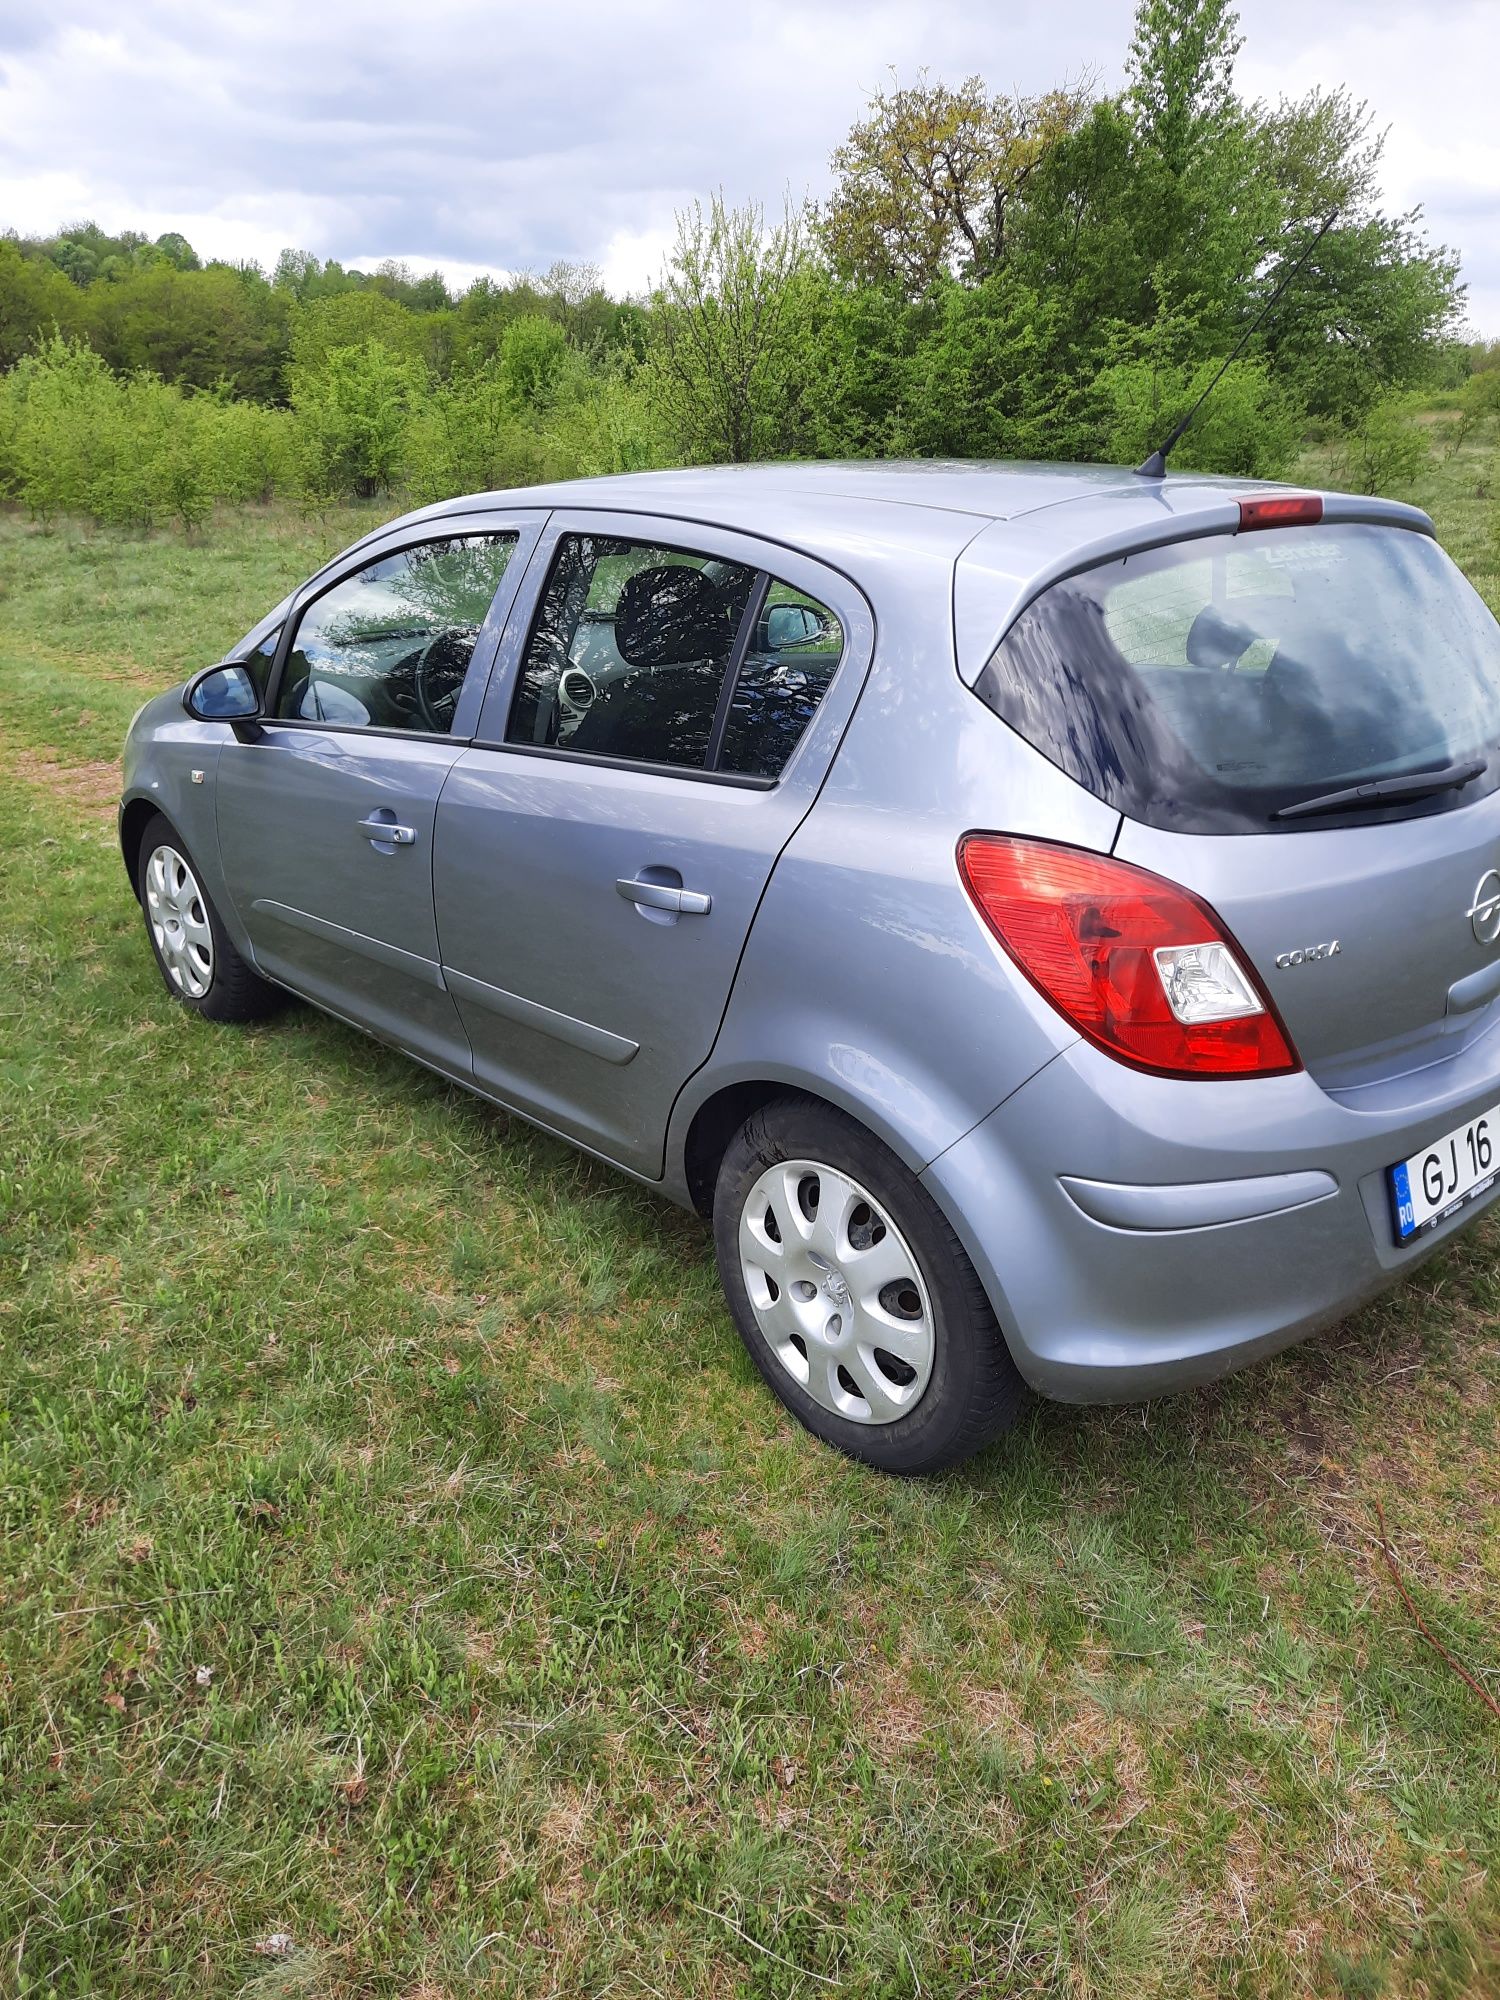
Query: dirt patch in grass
[95,786]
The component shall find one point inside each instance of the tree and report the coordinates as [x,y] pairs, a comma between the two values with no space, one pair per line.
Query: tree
[533,355]
[1201,213]
[194,327]
[35,300]
[1181,70]
[1369,313]
[351,319]
[926,184]
[352,407]
[178,252]
[720,333]
[1322,156]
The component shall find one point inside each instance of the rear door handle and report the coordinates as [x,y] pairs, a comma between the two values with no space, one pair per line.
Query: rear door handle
[388,831]
[657,895]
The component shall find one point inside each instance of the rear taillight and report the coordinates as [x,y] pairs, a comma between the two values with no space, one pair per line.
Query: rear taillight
[1136,964]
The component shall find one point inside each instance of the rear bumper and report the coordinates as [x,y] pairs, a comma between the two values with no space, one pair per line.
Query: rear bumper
[1140,1234]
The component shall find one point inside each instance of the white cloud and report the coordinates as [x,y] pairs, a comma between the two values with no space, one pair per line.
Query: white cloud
[478,138]
[632,259]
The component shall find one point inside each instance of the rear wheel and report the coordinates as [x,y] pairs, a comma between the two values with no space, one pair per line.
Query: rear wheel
[196,956]
[853,1294]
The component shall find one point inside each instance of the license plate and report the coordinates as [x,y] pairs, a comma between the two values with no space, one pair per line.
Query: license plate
[1452,1171]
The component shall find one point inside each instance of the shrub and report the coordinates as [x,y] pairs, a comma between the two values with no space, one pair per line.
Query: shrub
[251,447]
[1387,449]
[61,409]
[352,408]
[128,450]
[467,436]
[605,424]
[534,355]
[1248,425]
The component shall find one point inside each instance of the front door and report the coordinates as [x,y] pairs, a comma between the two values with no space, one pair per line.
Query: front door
[326,812]
[650,743]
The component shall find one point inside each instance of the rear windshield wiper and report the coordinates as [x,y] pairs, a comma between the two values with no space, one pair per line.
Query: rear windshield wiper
[1415,785]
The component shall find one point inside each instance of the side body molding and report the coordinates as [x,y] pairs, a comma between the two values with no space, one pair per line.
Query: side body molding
[561,1027]
[426,970]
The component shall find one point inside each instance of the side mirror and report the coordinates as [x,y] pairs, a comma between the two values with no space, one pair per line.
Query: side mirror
[223,694]
[790,625]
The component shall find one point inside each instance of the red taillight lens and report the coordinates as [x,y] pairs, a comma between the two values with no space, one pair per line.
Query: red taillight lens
[1281,510]
[1139,966]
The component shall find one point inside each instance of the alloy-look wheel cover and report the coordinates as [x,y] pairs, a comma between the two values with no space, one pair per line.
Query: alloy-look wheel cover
[836,1292]
[178,917]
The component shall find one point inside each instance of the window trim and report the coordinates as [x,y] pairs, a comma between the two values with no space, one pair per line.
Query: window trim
[708,771]
[734,667]
[367,558]
[744,781]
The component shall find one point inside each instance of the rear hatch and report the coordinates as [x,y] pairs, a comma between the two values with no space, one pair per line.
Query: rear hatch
[1302,725]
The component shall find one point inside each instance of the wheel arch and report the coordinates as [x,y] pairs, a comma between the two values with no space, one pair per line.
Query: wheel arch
[703,1128]
[135,816]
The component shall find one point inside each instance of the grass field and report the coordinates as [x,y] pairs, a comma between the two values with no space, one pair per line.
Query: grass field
[408,1589]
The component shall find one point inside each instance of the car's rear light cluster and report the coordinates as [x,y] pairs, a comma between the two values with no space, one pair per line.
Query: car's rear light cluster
[1135,963]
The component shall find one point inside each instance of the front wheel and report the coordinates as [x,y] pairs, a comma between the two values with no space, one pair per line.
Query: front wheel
[854,1296]
[196,956]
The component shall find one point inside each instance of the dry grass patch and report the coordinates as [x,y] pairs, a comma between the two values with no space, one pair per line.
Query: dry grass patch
[94,785]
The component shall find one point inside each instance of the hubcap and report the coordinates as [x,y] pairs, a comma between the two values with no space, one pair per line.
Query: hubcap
[179,923]
[836,1291]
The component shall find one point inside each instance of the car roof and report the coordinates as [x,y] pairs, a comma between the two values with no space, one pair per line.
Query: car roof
[978,491]
[990,490]
[830,507]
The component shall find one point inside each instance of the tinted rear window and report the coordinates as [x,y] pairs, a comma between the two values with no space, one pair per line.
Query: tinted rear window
[1207,685]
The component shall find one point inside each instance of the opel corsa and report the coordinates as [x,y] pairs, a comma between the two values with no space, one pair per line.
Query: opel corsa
[1048,918]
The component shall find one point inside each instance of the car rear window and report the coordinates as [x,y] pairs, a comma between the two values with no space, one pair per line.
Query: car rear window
[1209,686]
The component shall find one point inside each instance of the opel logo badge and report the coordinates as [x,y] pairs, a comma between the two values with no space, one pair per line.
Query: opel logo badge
[1484,911]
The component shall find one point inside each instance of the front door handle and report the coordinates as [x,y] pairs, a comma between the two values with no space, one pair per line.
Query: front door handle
[659,896]
[386,830]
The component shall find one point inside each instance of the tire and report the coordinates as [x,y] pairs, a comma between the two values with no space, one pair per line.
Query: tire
[868,1258]
[195,955]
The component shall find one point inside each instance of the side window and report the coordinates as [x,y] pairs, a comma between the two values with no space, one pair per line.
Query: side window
[389,647]
[793,655]
[632,647]
[629,651]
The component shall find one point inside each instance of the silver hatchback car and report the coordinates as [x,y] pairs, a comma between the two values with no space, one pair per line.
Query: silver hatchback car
[1049,918]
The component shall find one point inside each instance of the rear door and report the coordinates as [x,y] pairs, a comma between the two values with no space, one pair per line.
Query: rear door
[1302,724]
[326,810]
[656,729]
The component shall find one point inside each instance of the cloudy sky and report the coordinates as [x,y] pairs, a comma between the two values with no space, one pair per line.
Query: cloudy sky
[485,135]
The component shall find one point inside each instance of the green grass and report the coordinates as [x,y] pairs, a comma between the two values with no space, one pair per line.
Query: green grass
[400,1555]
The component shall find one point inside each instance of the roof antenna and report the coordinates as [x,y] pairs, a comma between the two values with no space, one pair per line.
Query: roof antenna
[1155,467]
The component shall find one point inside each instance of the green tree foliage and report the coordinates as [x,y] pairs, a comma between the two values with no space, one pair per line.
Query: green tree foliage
[722,331]
[352,406]
[192,326]
[464,437]
[1200,211]
[533,358]
[992,275]
[926,183]
[1375,308]
[132,450]
[36,299]
[1385,451]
